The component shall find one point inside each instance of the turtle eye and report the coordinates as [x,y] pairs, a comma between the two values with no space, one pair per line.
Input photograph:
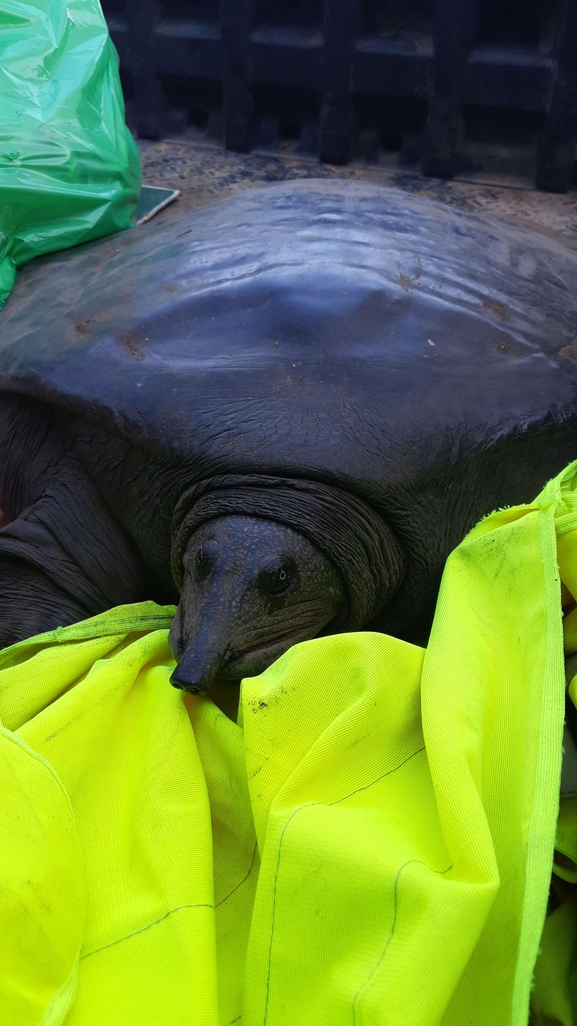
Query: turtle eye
[204,564]
[274,582]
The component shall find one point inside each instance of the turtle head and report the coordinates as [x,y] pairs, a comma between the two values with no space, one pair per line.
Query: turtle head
[251,588]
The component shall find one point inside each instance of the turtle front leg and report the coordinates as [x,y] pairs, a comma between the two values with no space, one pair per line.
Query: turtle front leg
[63,556]
[31,603]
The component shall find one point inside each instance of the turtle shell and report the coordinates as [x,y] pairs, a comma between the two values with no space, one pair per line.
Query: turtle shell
[345,332]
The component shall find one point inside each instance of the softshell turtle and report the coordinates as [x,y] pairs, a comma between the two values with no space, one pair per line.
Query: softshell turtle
[282,411]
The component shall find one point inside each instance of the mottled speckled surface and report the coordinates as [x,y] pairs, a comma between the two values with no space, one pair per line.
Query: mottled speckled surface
[205,172]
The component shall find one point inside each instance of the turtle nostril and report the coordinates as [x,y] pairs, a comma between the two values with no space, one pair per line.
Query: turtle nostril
[193,687]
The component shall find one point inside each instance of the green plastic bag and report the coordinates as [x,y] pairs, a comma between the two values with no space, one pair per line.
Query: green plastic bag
[69,168]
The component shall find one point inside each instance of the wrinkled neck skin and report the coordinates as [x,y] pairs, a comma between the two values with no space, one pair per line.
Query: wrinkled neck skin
[251,589]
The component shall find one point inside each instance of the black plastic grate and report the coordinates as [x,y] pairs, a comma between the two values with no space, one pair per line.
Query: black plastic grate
[331,60]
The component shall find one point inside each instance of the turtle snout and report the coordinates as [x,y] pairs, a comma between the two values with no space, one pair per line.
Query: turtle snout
[199,658]
[196,670]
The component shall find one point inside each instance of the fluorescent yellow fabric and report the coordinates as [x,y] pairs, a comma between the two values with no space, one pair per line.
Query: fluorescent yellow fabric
[370,845]
[554,1000]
